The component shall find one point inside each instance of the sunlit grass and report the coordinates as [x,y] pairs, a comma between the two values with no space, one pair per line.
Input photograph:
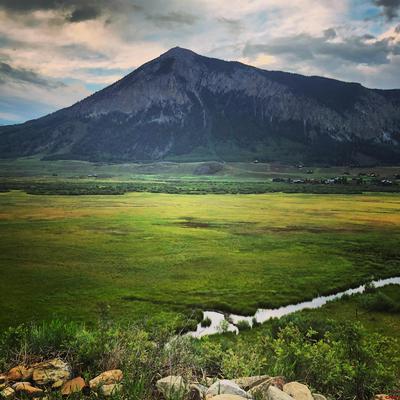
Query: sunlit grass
[155,255]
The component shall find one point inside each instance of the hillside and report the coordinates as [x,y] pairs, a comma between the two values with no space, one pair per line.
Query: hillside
[186,107]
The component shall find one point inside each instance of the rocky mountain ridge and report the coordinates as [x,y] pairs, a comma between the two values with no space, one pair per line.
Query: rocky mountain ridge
[183,106]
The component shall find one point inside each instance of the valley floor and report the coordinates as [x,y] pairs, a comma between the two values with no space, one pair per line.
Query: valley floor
[164,256]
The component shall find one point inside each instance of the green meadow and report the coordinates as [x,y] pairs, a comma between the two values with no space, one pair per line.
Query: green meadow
[161,256]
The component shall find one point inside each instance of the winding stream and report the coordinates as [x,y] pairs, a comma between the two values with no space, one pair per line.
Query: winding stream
[263,315]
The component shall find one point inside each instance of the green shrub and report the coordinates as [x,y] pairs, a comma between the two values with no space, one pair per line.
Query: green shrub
[206,322]
[243,325]
[378,301]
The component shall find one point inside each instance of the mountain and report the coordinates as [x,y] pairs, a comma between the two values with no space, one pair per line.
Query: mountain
[183,106]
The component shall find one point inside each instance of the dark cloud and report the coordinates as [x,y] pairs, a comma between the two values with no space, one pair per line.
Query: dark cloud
[20,75]
[353,49]
[234,26]
[172,19]
[84,14]
[330,33]
[71,10]
[390,8]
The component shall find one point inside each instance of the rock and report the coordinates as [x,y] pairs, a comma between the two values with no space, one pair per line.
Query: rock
[248,382]
[298,391]
[19,373]
[273,393]
[171,386]
[317,396]
[110,390]
[197,391]
[106,378]
[73,386]
[7,393]
[228,397]
[51,372]
[3,378]
[261,389]
[225,386]
[379,397]
[28,389]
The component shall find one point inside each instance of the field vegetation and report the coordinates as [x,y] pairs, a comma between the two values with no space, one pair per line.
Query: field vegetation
[166,256]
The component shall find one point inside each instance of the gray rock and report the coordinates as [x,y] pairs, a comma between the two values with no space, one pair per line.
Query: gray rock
[225,386]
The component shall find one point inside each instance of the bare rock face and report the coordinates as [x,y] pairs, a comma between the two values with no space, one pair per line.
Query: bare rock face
[106,378]
[298,391]
[182,103]
[51,372]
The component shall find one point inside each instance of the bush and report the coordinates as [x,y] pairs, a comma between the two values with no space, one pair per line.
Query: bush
[378,301]
[243,325]
[206,322]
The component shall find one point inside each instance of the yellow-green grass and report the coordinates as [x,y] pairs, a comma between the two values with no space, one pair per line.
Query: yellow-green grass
[155,255]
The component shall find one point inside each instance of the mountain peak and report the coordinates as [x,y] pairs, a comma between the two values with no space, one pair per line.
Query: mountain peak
[179,52]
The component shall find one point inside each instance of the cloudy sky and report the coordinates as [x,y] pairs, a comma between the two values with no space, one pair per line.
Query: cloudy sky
[55,52]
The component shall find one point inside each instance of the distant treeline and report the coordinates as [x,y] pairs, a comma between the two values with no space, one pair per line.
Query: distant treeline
[66,187]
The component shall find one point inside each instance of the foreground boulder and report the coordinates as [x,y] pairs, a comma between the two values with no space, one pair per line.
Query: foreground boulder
[273,393]
[225,386]
[171,386]
[28,389]
[261,390]
[298,391]
[106,378]
[75,385]
[248,382]
[55,372]
[19,373]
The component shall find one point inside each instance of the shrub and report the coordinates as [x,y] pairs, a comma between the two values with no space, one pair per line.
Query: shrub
[206,322]
[378,301]
[243,325]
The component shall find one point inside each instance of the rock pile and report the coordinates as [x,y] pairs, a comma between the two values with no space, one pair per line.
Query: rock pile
[260,387]
[38,380]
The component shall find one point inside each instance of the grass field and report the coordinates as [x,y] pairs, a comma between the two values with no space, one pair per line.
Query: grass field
[159,255]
